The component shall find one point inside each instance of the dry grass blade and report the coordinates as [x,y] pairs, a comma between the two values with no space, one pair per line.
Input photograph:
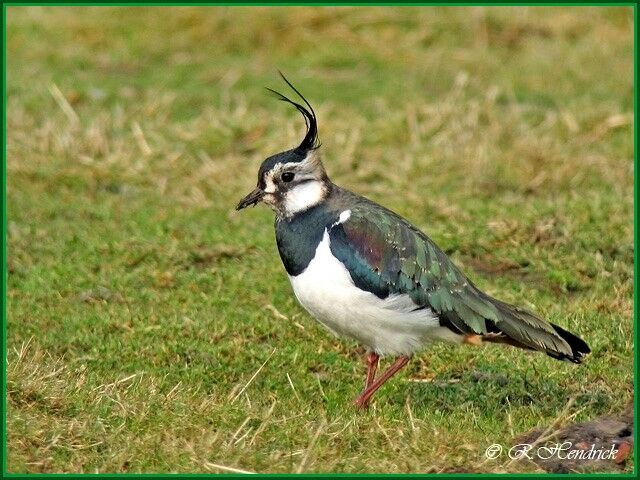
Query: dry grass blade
[253,377]
[140,138]
[292,386]
[64,105]
[224,468]
[307,454]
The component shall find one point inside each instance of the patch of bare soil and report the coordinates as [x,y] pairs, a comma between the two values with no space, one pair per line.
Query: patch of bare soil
[586,439]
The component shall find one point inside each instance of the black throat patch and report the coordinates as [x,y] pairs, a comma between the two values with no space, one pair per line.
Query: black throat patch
[298,237]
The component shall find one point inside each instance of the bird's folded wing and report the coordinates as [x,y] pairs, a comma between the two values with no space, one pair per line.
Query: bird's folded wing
[386,255]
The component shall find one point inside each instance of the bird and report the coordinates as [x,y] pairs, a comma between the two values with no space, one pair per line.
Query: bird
[368,274]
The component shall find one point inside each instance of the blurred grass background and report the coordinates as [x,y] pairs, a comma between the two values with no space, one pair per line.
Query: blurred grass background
[140,306]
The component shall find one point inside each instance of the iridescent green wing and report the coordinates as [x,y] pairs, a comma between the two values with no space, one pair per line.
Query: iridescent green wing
[386,255]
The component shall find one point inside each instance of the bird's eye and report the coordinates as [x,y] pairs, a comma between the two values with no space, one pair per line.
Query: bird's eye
[287,176]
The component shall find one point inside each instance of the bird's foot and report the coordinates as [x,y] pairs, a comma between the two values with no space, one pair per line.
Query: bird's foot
[361,402]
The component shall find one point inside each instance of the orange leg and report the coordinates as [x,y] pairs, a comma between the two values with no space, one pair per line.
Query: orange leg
[363,399]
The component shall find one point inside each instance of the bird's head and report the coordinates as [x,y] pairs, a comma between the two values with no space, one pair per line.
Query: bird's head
[294,180]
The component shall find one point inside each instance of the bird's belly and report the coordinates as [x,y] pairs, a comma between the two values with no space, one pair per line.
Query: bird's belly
[389,326]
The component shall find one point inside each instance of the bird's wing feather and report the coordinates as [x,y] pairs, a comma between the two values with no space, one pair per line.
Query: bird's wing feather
[386,255]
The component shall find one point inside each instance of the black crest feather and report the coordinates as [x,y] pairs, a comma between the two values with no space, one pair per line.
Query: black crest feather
[310,140]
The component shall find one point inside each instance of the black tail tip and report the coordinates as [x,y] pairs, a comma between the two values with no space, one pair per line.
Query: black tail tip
[579,348]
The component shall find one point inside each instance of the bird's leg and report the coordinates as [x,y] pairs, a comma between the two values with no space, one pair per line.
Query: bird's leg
[372,366]
[363,399]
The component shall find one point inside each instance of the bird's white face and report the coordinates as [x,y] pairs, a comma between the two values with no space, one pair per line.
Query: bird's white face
[290,187]
[303,196]
[295,186]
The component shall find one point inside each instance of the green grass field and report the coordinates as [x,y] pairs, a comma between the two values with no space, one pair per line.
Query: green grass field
[151,328]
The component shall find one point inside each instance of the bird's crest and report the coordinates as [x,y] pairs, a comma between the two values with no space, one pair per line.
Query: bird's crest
[310,140]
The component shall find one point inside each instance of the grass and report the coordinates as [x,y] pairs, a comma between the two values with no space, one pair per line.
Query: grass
[152,329]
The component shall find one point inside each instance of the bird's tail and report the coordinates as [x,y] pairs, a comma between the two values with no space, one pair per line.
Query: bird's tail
[579,347]
[526,330]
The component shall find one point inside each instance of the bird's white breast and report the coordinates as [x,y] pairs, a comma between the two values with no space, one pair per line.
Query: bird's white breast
[389,326]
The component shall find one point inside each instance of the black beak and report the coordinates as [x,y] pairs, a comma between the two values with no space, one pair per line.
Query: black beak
[251,199]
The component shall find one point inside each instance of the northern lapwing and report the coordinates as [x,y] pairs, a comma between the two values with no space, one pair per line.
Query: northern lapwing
[366,273]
